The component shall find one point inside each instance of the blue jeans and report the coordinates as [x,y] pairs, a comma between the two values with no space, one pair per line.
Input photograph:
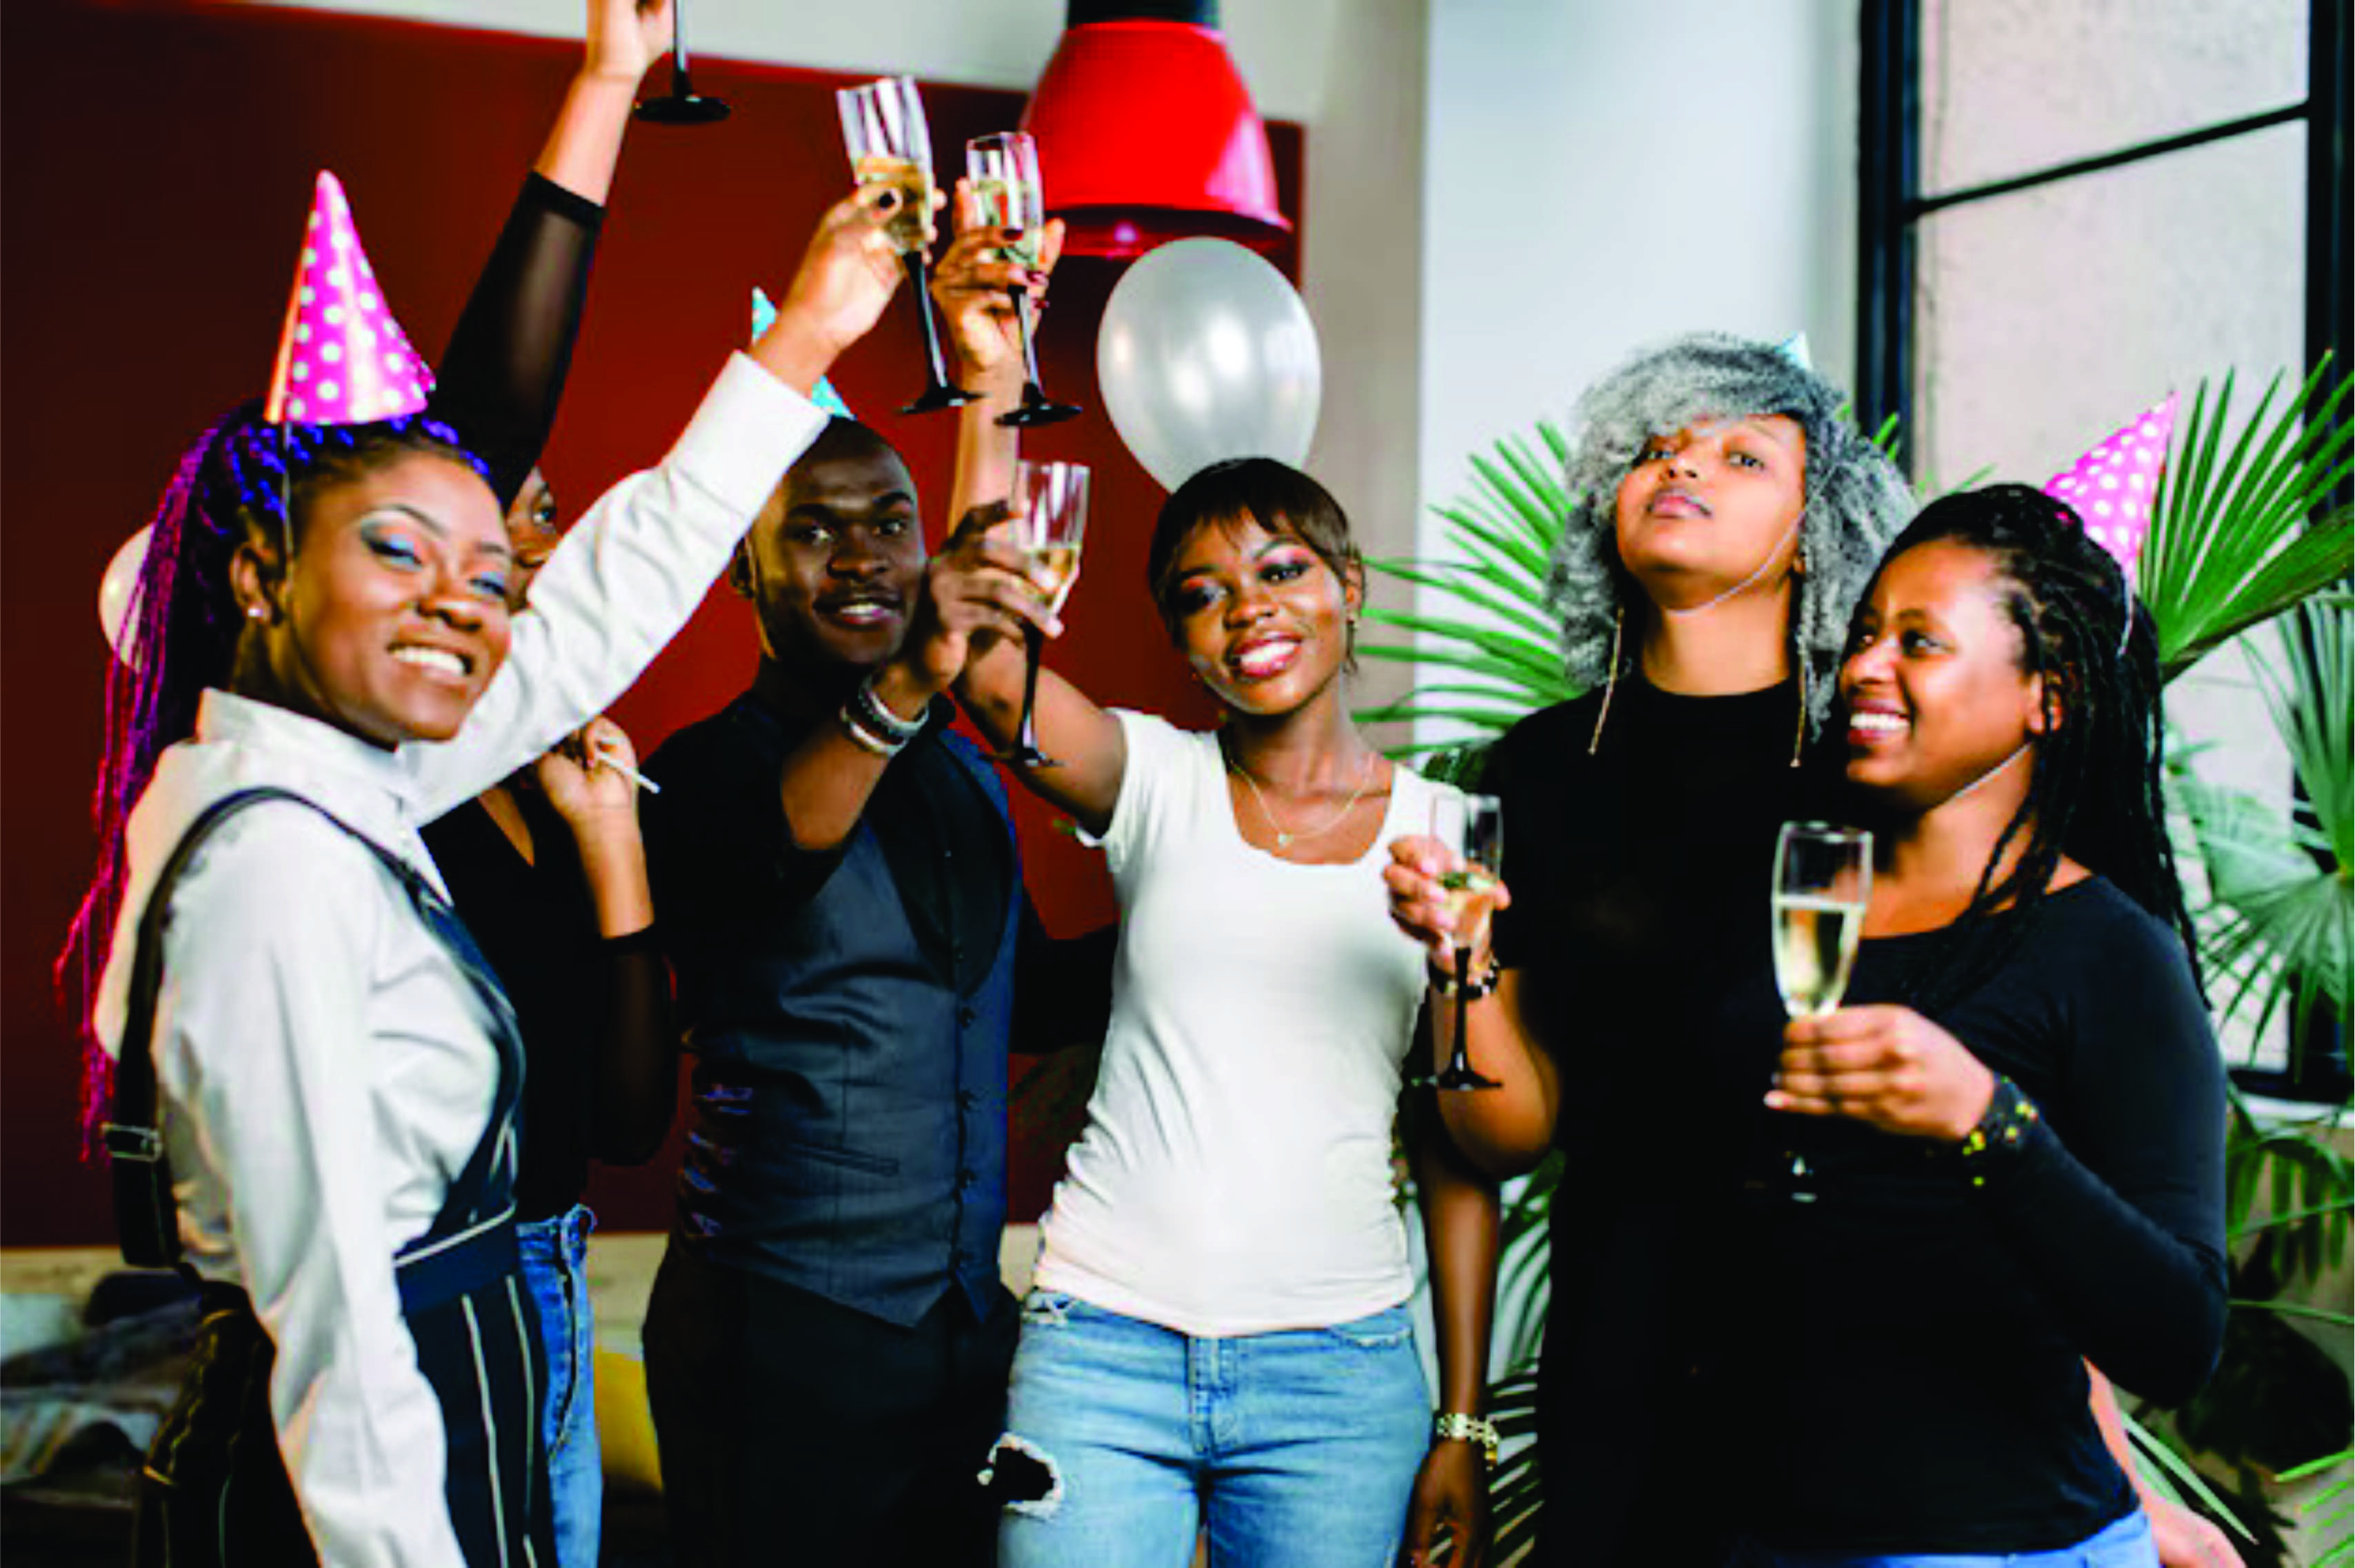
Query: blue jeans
[1298,1448]
[556,1271]
[2126,1544]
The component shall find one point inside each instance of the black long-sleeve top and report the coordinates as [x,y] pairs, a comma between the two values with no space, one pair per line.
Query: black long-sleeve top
[503,374]
[1904,1370]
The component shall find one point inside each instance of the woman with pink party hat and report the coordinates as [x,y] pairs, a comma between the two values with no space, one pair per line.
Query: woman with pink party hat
[316,1071]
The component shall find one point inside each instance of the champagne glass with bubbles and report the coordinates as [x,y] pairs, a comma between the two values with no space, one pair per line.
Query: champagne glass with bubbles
[1823,881]
[884,129]
[1003,170]
[1050,515]
[1473,825]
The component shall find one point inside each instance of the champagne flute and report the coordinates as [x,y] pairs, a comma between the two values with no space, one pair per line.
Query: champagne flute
[1050,514]
[1003,171]
[884,130]
[682,106]
[1823,881]
[1473,826]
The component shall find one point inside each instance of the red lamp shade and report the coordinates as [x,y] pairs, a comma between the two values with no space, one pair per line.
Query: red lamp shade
[1146,134]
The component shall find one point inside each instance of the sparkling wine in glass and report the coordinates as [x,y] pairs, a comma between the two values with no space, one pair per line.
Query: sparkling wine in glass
[1473,825]
[1823,881]
[884,129]
[1003,170]
[1050,515]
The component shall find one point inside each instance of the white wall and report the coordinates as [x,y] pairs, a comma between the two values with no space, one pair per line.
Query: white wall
[1280,46]
[1598,175]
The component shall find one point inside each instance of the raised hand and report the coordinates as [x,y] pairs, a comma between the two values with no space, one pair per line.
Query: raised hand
[976,592]
[1888,1066]
[972,285]
[845,280]
[626,36]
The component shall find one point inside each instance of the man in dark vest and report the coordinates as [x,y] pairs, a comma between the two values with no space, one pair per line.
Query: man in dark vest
[828,1343]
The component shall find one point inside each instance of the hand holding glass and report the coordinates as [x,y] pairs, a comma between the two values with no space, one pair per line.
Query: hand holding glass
[1050,515]
[1473,825]
[884,129]
[1003,170]
[1823,881]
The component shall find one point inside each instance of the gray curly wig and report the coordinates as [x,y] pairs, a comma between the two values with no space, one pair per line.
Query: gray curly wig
[1856,499]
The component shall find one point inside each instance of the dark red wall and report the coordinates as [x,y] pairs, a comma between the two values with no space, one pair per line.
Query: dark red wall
[157,165]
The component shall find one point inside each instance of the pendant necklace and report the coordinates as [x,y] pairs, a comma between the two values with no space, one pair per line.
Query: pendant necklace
[1283,839]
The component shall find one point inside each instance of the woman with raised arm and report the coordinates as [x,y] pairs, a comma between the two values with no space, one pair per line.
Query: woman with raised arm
[547,867]
[1217,1340]
[326,661]
[2015,1125]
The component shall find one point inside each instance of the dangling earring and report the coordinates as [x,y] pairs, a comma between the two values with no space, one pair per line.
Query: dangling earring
[1610,679]
[1799,736]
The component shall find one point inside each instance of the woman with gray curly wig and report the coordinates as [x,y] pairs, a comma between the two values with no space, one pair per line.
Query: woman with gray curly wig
[1728,519]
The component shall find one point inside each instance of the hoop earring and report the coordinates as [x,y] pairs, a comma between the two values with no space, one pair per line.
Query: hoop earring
[1610,680]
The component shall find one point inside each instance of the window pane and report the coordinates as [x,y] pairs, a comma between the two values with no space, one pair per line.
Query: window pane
[2011,86]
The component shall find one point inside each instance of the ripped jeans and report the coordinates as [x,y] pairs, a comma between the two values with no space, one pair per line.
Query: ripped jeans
[1296,1448]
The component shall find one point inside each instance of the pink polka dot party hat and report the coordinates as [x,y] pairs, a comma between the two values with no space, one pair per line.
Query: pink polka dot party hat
[342,359]
[2112,486]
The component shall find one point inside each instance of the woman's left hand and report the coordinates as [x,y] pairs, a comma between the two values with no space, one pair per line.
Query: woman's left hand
[1886,1065]
[1451,1494]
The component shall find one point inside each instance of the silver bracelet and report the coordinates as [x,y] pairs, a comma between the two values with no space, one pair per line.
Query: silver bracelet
[855,726]
[880,718]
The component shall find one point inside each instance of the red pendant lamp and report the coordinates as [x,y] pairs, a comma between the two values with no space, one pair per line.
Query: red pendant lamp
[1145,133]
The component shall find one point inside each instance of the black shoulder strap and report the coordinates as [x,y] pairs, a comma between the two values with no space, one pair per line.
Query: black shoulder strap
[146,1216]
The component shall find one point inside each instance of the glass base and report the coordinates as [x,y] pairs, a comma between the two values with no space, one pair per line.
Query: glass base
[688,108]
[935,399]
[1036,409]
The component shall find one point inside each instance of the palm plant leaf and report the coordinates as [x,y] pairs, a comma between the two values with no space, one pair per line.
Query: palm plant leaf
[2242,525]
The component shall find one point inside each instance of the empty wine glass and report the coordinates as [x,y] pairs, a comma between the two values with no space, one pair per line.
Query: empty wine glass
[1473,825]
[1050,515]
[1003,170]
[889,143]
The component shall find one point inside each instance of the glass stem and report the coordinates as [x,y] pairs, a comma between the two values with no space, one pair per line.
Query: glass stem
[920,276]
[1033,645]
[1031,388]
[1463,1054]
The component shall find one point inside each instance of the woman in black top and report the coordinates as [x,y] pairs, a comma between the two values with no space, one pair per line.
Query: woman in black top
[1729,518]
[2017,1125]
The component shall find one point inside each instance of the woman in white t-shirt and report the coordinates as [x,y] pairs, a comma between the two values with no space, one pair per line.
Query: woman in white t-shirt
[1219,1337]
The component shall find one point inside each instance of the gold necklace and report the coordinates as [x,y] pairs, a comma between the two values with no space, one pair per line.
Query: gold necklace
[1284,840]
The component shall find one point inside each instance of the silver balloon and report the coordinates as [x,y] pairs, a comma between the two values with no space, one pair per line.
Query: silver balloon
[1207,353]
[117,591]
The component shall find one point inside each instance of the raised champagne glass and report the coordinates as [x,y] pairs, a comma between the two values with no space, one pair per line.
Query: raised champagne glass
[1473,825]
[1823,881]
[1050,515]
[1003,170]
[682,106]
[890,145]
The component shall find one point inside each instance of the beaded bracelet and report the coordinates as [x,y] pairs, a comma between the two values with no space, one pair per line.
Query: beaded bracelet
[1444,981]
[2001,1132]
[1452,1425]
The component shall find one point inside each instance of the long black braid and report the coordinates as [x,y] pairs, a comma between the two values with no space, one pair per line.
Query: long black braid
[2093,786]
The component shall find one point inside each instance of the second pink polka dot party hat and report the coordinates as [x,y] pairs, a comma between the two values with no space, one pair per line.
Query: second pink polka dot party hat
[2112,486]
[342,359]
